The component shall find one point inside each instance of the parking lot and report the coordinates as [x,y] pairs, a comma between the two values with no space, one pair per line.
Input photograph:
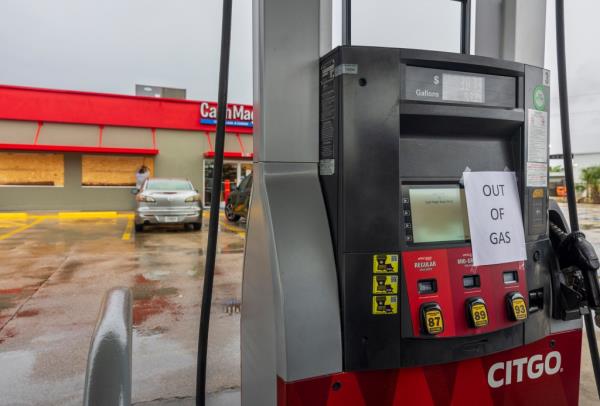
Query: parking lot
[54,272]
[55,269]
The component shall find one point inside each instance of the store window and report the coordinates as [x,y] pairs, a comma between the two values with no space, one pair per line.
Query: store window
[233,174]
[32,169]
[111,170]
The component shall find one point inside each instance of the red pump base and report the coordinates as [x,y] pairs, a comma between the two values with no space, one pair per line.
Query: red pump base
[545,372]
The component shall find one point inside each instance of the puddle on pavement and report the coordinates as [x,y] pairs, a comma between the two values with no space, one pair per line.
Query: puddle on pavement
[7,333]
[10,297]
[156,275]
[233,248]
[151,299]
[28,313]
[67,271]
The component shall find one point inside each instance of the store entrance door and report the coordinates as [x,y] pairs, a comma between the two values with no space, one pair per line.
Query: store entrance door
[233,173]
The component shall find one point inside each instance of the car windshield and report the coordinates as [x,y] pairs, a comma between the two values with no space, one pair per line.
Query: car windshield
[168,184]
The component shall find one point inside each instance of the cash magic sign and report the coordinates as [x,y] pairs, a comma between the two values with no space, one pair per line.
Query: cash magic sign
[238,115]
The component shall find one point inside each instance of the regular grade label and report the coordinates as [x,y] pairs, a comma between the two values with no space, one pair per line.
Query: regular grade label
[385,284]
[385,263]
[434,322]
[385,304]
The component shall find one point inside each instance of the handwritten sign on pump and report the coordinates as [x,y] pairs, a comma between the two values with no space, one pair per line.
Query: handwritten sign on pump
[495,220]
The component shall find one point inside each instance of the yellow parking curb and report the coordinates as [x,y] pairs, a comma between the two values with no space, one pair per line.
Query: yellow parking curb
[13,216]
[88,215]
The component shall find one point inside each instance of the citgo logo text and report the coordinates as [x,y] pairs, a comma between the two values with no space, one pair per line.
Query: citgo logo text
[508,372]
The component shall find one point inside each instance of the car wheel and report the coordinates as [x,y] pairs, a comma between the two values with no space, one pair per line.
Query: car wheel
[197,226]
[231,216]
[139,228]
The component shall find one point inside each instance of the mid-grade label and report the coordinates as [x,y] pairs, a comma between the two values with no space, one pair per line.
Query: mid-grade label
[385,304]
[385,263]
[479,315]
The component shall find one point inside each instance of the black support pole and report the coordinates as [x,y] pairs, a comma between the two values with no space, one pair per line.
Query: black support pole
[465,27]
[213,228]
[346,22]
[568,162]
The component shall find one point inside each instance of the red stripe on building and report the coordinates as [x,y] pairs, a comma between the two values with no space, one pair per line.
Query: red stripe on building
[73,107]
[74,148]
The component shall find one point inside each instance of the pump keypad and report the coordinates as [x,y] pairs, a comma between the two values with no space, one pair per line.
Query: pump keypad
[517,309]
[477,313]
[432,319]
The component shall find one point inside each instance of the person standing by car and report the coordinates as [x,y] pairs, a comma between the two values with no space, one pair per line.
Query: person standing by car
[141,175]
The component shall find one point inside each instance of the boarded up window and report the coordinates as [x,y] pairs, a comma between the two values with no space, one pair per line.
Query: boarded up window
[110,170]
[32,169]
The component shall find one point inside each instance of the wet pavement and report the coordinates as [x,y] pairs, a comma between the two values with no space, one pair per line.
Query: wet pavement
[53,276]
[54,272]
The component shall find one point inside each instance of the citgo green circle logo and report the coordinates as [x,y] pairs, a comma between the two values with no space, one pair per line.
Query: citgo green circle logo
[539,99]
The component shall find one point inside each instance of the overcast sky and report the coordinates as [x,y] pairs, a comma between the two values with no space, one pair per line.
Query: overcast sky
[110,45]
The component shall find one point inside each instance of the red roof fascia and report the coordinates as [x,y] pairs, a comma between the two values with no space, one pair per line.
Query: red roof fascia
[74,107]
[72,148]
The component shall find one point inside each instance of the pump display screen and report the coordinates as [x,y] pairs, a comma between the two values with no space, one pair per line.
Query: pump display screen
[438,214]
[463,88]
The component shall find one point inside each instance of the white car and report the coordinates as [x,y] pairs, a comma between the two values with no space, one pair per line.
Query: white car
[168,201]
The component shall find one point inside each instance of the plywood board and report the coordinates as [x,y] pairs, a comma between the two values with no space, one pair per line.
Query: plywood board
[111,170]
[29,169]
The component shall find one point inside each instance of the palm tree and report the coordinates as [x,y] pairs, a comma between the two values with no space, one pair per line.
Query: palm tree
[591,177]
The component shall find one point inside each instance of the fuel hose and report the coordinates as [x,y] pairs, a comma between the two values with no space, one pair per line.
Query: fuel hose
[568,163]
[215,202]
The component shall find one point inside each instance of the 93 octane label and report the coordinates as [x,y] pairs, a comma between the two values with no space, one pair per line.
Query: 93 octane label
[385,284]
[519,309]
[385,263]
[385,304]
[434,322]
[479,315]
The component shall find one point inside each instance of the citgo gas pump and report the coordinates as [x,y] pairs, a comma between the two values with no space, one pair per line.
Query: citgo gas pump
[368,294]
[421,324]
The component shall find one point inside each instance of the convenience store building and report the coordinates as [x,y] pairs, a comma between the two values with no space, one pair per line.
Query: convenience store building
[66,150]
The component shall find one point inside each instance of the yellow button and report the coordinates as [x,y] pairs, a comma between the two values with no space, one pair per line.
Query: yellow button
[477,313]
[517,308]
[432,319]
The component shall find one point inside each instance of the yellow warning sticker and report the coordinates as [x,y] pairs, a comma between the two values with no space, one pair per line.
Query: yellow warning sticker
[519,308]
[479,315]
[385,284]
[434,322]
[385,304]
[385,263]
[537,193]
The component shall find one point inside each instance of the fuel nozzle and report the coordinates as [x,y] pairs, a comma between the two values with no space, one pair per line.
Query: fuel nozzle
[574,251]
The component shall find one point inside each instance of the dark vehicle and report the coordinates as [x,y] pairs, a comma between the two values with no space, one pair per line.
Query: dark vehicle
[239,200]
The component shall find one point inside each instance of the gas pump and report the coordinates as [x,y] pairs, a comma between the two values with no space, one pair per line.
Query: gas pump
[370,295]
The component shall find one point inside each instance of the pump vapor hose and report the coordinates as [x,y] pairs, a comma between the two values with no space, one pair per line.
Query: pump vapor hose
[568,162]
[215,202]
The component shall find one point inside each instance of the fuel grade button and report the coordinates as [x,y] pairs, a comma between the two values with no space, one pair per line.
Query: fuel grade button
[517,309]
[432,320]
[477,314]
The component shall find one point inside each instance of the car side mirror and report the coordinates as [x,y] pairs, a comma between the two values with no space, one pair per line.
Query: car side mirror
[135,191]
